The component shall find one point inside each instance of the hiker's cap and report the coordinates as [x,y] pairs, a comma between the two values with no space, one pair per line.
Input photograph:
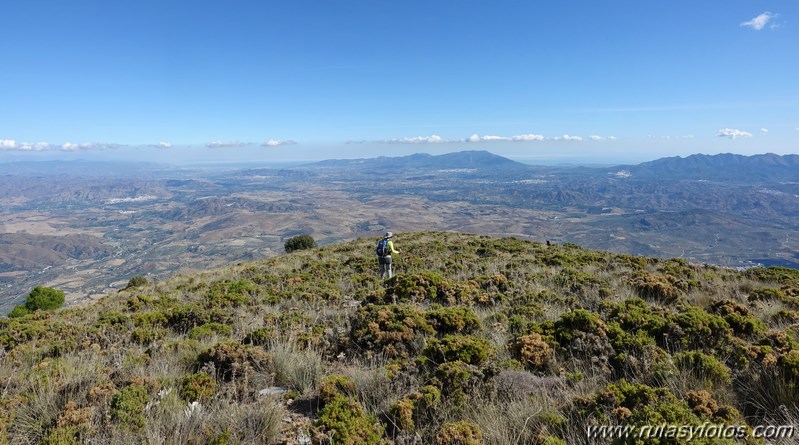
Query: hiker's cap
[389,234]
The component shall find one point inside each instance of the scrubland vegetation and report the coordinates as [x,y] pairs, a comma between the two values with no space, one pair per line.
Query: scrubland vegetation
[476,340]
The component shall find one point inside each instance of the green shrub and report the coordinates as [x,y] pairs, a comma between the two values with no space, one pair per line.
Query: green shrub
[260,336]
[742,322]
[137,302]
[656,287]
[197,387]
[789,366]
[299,242]
[335,385]
[18,311]
[429,286]
[69,435]
[127,406]
[40,298]
[416,287]
[232,360]
[112,319]
[576,281]
[344,421]
[549,440]
[781,341]
[147,335]
[136,281]
[580,334]
[397,331]
[694,328]
[777,274]
[459,433]
[208,330]
[705,406]
[453,320]
[225,294]
[16,331]
[183,318]
[635,314]
[457,380]
[402,414]
[532,351]
[766,294]
[706,368]
[150,319]
[44,298]
[579,320]
[405,412]
[677,267]
[465,348]
[638,405]
[495,283]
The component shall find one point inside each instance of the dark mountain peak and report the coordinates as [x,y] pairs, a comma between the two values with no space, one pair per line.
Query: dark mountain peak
[475,159]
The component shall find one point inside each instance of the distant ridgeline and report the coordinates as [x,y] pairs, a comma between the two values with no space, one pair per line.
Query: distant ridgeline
[457,160]
[721,167]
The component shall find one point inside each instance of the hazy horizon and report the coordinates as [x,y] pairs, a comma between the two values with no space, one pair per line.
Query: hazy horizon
[180,158]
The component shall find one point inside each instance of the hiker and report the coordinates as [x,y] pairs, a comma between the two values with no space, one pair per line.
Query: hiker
[385,247]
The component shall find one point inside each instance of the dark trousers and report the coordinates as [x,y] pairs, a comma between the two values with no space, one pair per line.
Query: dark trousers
[384,263]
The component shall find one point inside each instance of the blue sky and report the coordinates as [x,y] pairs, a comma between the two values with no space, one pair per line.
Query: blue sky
[276,81]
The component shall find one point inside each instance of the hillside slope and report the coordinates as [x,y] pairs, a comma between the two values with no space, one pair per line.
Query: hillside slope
[475,340]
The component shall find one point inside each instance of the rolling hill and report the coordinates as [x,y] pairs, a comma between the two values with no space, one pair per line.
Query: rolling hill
[476,340]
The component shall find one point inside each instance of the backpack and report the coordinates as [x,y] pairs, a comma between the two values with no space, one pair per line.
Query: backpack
[382,248]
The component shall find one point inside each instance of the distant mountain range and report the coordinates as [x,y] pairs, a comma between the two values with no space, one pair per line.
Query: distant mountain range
[720,167]
[456,160]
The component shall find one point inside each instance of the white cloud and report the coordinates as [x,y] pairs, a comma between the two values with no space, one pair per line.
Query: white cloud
[225,144]
[9,144]
[38,146]
[733,133]
[685,136]
[517,138]
[486,138]
[163,144]
[760,22]
[88,146]
[764,130]
[595,137]
[276,143]
[432,139]
[531,137]
[527,138]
